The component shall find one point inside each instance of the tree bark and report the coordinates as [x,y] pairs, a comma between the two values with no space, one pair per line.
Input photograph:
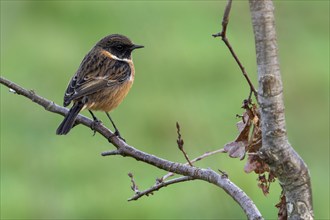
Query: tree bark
[276,150]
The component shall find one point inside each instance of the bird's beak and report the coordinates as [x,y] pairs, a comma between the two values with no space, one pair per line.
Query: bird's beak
[136,47]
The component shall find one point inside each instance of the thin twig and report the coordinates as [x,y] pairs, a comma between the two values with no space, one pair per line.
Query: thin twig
[180,143]
[159,186]
[223,35]
[207,154]
[134,186]
[110,153]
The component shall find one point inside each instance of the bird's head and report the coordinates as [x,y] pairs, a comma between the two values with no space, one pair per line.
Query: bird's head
[118,45]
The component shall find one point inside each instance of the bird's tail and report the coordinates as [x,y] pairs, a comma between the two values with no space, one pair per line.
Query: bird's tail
[69,119]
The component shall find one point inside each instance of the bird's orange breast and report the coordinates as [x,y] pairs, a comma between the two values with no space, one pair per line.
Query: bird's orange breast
[110,97]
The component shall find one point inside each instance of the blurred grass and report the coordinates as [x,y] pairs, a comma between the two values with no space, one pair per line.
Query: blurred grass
[183,74]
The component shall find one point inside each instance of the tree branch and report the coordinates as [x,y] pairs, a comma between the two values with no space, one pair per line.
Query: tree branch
[223,35]
[276,150]
[158,186]
[52,107]
[160,182]
[124,149]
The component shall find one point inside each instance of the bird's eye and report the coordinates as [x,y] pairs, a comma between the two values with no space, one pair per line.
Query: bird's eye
[119,47]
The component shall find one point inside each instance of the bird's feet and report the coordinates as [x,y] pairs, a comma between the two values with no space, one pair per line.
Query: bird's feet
[95,123]
[117,134]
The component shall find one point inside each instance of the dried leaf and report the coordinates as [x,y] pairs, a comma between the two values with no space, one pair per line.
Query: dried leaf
[262,166]
[256,164]
[235,149]
[244,134]
[254,146]
[263,184]
[255,140]
[255,120]
[240,126]
[250,140]
[250,165]
[264,188]
[282,211]
[271,177]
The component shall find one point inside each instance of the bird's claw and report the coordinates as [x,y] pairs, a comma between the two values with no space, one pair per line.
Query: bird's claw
[117,134]
[94,125]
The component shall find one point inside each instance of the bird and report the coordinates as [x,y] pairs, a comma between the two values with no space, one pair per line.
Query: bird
[102,80]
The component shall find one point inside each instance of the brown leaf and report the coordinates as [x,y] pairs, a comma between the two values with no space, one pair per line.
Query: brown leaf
[271,177]
[256,164]
[255,120]
[264,188]
[254,146]
[240,126]
[250,165]
[235,149]
[255,140]
[244,134]
[262,166]
[249,140]
[282,211]
[263,184]
[262,178]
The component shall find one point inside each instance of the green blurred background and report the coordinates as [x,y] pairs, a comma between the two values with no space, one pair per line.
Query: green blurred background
[183,74]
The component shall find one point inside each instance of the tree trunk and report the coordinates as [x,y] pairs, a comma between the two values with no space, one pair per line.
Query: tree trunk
[276,150]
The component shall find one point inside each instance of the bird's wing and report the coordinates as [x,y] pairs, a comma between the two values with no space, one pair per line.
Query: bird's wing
[94,74]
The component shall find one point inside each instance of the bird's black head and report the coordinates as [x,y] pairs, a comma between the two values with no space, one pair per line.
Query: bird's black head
[118,45]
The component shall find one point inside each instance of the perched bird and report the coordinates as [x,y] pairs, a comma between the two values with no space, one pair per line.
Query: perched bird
[102,80]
